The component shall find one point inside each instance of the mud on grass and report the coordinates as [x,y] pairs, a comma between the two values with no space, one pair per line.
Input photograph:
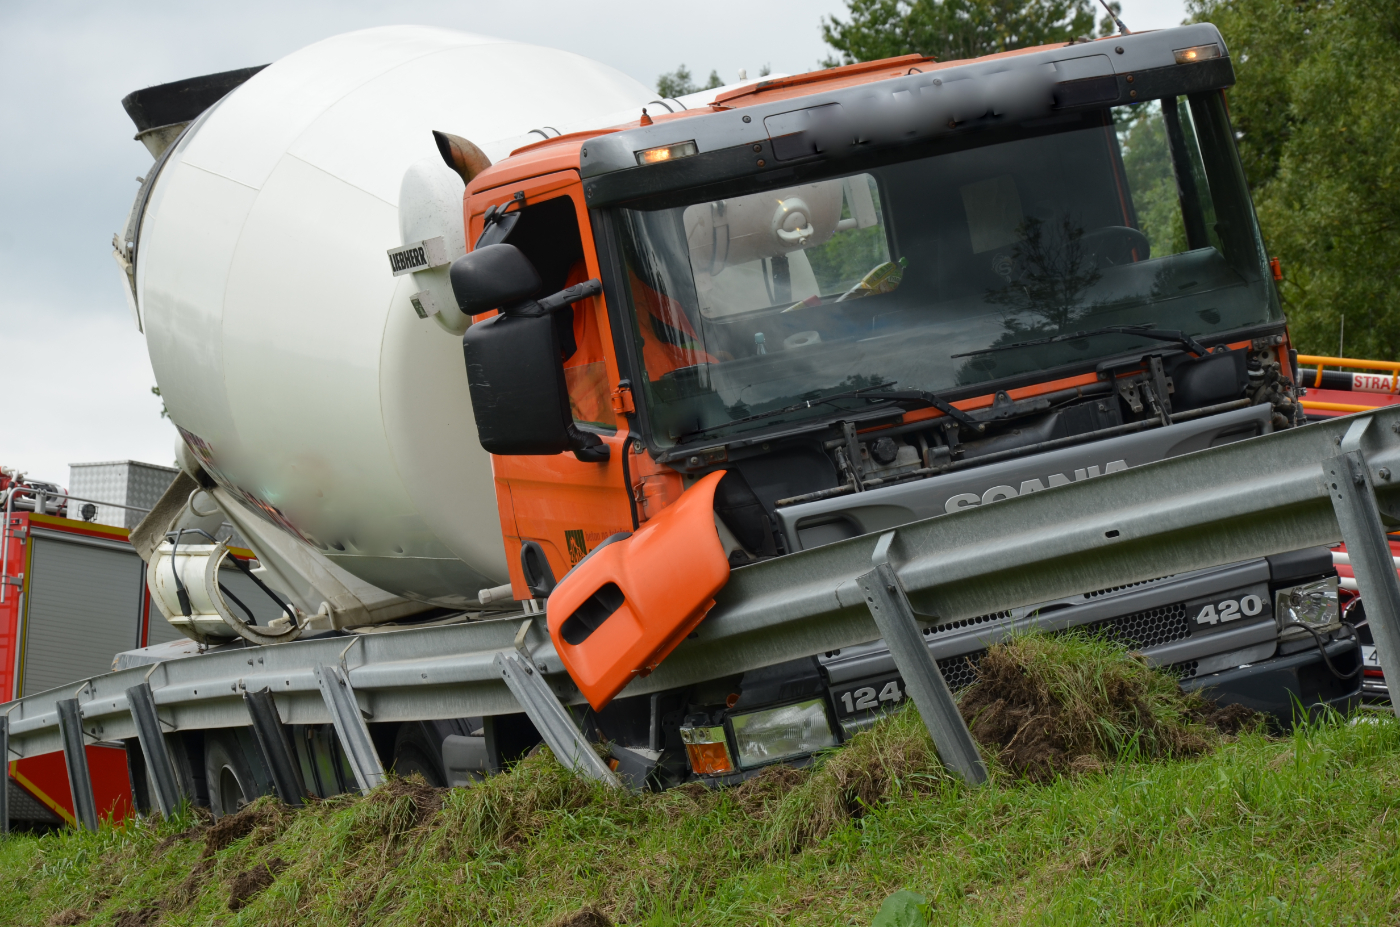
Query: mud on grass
[1168,829]
[1052,706]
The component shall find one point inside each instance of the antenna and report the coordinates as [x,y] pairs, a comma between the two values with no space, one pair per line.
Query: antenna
[1122,29]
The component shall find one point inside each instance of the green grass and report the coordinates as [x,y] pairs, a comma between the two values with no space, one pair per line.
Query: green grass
[1252,830]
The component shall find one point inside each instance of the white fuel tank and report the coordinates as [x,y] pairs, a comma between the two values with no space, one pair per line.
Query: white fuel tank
[286,352]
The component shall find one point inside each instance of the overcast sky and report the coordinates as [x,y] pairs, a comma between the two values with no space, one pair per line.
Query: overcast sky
[74,377]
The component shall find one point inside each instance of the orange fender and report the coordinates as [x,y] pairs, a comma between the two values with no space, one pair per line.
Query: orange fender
[626,606]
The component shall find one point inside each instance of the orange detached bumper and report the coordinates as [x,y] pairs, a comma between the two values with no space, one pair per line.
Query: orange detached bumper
[627,605]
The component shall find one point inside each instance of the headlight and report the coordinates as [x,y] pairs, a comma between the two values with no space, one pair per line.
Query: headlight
[779,733]
[707,750]
[1313,603]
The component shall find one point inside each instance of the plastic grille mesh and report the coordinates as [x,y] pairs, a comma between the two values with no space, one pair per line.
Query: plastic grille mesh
[1148,628]
[960,671]
[1183,670]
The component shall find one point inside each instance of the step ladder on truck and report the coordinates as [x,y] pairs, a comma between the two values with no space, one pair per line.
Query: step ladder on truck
[710,429]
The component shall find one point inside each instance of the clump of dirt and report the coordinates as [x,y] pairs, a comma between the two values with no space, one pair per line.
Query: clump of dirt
[587,917]
[203,817]
[504,810]
[243,887]
[1053,706]
[757,795]
[137,917]
[267,813]
[1231,719]
[401,806]
[895,754]
[68,917]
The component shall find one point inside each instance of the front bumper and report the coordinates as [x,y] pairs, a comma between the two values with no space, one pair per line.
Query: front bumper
[1285,686]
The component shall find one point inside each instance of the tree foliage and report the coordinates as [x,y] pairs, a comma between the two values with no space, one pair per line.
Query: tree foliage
[1315,112]
[950,29]
[680,82]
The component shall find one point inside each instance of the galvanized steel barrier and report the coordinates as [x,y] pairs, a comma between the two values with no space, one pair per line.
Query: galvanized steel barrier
[1253,498]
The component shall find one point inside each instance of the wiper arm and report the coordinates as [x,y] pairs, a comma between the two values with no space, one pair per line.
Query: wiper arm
[947,408]
[795,407]
[1142,331]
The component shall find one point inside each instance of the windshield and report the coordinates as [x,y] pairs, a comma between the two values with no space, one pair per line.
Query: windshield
[933,274]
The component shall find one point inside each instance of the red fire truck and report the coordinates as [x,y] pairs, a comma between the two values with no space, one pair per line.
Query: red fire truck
[1355,385]
[72,595]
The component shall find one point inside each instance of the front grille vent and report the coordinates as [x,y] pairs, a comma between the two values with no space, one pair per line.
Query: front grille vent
[1185,670]
[1111,589]
[966,623]
[960,671]
[1148,628]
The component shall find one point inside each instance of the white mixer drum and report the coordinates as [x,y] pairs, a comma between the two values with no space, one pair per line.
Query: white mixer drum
[286,352]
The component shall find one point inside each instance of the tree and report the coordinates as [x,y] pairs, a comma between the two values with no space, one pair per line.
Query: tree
[680,82]
[951,29]
[1318,86]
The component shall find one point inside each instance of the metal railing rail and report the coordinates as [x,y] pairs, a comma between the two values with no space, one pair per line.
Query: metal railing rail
[1250,499]
[1318,362]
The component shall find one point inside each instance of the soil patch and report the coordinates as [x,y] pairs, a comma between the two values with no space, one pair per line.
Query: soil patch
[588,917]
[69,917]
[243,887]
[1053,706]
[231,828]
[137,917]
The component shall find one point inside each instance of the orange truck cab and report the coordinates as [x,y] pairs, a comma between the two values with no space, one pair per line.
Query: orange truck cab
[830,304]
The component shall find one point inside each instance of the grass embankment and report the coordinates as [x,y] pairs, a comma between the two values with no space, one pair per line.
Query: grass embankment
[1113,800]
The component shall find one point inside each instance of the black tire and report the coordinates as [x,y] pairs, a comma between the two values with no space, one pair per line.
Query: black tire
[226,774]
[414,753]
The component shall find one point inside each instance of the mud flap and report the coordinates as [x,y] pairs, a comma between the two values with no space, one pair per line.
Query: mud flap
[629,603]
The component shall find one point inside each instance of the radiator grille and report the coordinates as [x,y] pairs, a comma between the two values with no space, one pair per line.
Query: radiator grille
[960,671]
[1148,628]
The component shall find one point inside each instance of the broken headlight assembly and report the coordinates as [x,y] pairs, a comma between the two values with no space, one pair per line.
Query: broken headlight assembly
[1313,604]
[782,733]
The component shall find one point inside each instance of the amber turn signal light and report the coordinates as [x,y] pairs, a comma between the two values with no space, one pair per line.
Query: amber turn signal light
[667,153]
[1196,53]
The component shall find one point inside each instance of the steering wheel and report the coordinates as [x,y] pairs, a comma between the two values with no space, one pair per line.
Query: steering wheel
[1115,245]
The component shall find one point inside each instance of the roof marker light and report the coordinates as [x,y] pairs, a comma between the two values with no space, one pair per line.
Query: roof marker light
[667,153]
[1196,53]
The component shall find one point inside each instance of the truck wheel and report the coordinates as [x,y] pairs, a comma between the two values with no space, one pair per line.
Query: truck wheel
[226,773]
[414,752]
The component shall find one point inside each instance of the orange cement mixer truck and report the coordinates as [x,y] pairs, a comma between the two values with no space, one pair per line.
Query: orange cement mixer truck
[484,349]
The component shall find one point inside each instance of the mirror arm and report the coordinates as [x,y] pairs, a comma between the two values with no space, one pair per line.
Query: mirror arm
[561,300]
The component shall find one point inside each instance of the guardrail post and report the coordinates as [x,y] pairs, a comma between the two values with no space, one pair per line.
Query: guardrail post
[70,728]
[1354,502]
[272,743]
[551,719]
[350,725]
[5,764]
[922,678]
[141,703]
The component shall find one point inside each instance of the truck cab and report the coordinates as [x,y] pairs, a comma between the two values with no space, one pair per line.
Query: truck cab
[871,295]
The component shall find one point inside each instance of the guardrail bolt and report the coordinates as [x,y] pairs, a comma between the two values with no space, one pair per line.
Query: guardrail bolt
[1385,473]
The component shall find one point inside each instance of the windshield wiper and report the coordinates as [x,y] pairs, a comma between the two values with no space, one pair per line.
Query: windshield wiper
[796,407]
[1142,331]
[947,408]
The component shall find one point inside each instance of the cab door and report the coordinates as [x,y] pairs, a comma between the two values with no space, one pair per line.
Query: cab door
[563,505]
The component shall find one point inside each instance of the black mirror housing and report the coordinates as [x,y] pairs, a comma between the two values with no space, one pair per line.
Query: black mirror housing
[493,277]
[519,395]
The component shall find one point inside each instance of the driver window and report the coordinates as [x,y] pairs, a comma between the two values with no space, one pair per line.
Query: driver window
[789,248]
[547,233]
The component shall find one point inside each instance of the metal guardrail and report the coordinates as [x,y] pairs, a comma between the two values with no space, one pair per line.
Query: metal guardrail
[1245,500]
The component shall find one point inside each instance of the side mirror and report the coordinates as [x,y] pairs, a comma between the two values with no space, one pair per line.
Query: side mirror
[491,277]
[515,366]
